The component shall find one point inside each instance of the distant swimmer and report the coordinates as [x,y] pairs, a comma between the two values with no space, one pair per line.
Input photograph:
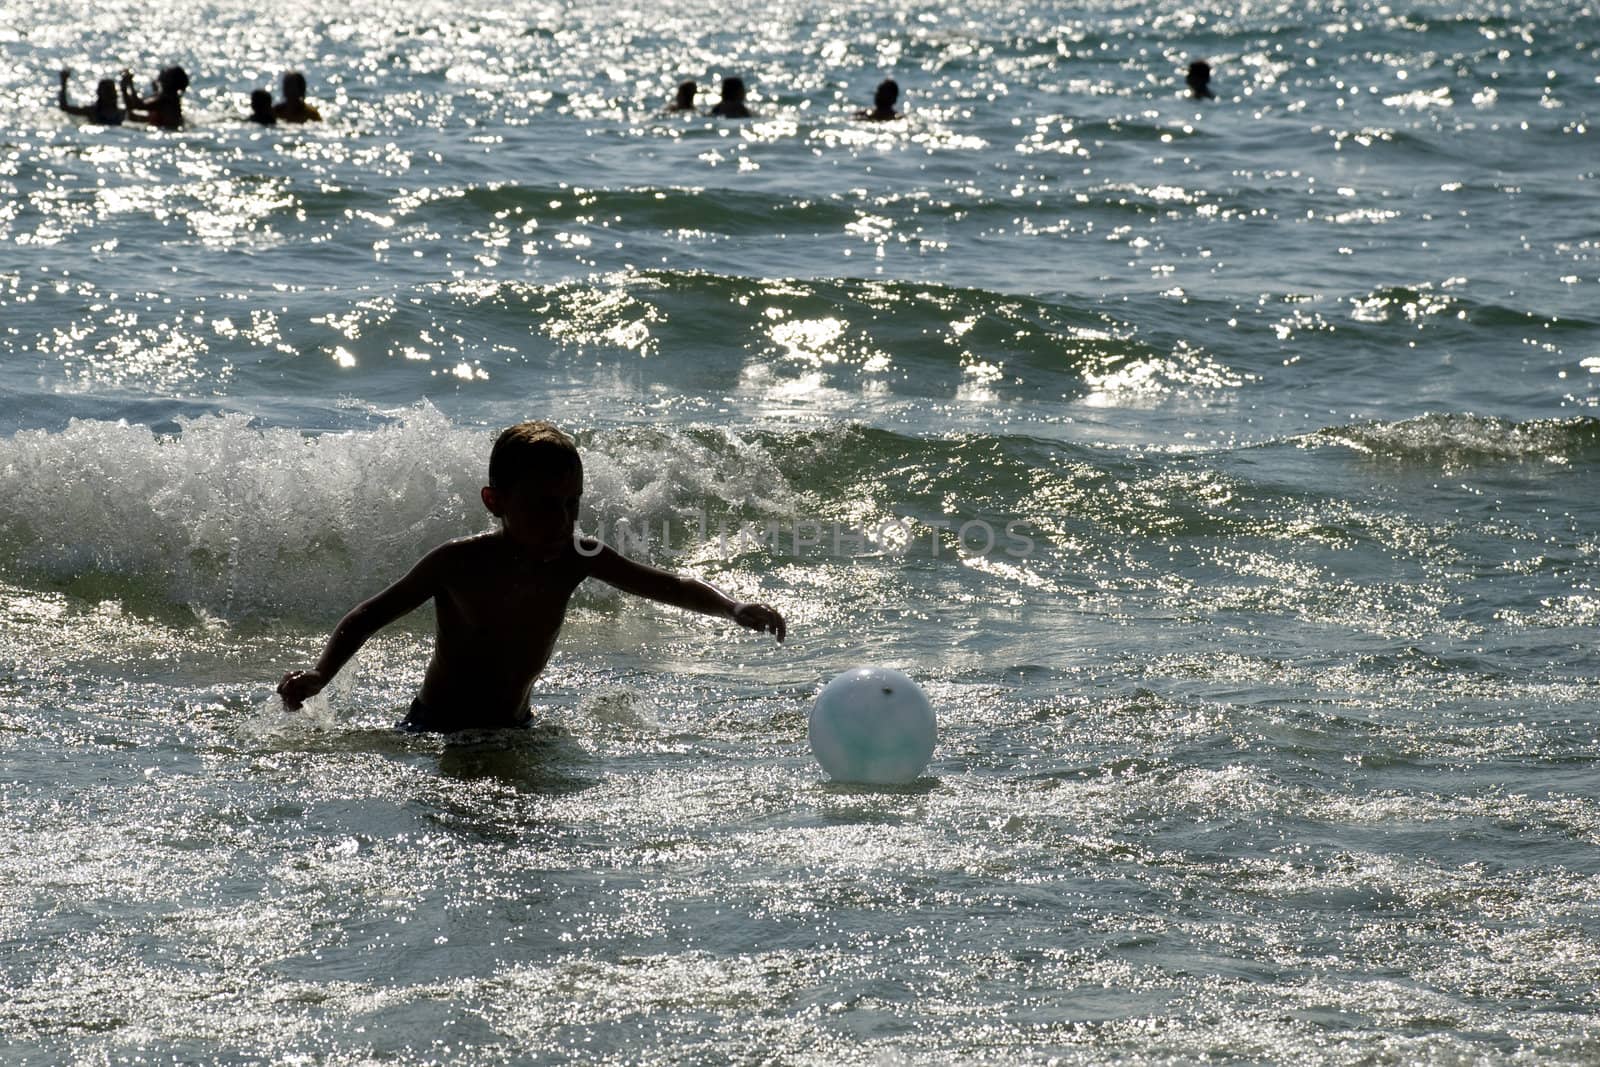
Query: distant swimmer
[261,108]
[294,107]
[499,598]
[164,107]
[684,100]
[103,112]
[883,102]
[732,106]
[1199,79]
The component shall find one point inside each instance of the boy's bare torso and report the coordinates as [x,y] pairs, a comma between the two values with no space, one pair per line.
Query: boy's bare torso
[500,599]
[500,608]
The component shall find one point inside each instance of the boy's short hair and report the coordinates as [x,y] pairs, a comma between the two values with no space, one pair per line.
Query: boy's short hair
[530,449]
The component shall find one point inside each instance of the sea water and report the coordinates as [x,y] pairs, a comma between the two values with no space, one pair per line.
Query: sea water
[1225,471]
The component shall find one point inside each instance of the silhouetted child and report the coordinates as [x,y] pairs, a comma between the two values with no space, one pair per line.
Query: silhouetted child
[684,101]
[261,108]
[500,597]
[732,106]
[103,112]
[164,108]
[1199,79]
[294,107]
[883,101]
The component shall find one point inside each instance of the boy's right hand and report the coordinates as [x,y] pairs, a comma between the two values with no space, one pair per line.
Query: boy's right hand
[760,617]
[298,687]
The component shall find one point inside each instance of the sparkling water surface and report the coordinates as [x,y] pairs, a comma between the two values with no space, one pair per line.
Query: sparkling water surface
[1267,723]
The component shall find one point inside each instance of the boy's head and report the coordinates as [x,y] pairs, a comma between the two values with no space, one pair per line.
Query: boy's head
[531,449]
[173,80]
[535,482]
[294,86]
[261,107]
[888,92]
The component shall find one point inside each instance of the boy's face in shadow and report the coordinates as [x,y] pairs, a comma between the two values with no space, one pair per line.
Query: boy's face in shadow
[539,512]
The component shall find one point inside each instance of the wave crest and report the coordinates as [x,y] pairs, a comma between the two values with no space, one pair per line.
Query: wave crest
[236,520]
[1456,440]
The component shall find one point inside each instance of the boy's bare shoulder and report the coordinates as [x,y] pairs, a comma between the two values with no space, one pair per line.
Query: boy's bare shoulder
[454,558]
[474,542]
[466,551]
[486,554]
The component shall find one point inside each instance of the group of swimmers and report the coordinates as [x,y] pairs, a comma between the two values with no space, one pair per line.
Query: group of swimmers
[164,106]
[733,106]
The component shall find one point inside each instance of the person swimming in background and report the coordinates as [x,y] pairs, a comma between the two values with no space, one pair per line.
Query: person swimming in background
[684,100]
[500,597]
[294,108]
[103,112]
[261,108]
[1199,79]
[732,105]
[883,101]
[164,108]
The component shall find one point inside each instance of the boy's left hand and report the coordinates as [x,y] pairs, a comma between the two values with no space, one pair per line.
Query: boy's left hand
[298,687]
[761,618]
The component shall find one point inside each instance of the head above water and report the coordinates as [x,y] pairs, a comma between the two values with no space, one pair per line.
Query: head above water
[1199,78]
[535,485]
[533,449]
[105,93]
[261,107]
[294,85]
[173,80]
[733,90]
[887,93]
[685,98]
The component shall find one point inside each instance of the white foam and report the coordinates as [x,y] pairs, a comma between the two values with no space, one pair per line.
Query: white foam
[236,520]
[271,718]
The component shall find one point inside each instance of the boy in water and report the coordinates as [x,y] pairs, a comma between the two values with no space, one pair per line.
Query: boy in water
[294,107]
[732,105]
[261,109]
[684,100]
[501,596]
[883,101]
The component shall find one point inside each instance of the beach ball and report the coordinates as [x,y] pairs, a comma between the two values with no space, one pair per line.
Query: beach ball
[872,725]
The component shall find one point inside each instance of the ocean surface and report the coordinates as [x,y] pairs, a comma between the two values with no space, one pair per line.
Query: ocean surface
[1227,472]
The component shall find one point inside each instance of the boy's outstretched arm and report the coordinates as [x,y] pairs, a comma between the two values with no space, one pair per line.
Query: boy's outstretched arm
[653,583]
[360,623]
